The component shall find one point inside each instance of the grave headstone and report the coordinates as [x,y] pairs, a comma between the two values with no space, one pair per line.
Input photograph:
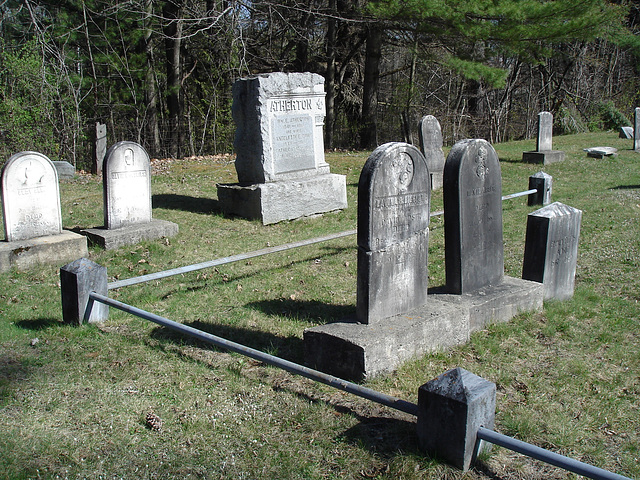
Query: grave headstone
[626,132]
[30,197]
[100,147]
[472,217]
[393,232]
[543,182]
[431,142]
[636,130]
[551,249]
[544,153]
[601,152]
[77,280]
[126,182]
[282,172]
[65,170]
[31,214]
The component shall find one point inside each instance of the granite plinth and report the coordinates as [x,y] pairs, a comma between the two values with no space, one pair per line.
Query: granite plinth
[356,351]
[496,303]
[48,250]
[544,157]
[274,202]
[130,234]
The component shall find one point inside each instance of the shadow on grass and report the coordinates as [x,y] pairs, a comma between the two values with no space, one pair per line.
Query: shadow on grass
[288,348]
[186,203]
[312,311]
[37,324]
[625,187]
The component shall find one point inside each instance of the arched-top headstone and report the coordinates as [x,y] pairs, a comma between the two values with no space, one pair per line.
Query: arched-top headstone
[431,142]
[393,232]
[473,217]
[393,196]
[545,132]
[30,197]
[127,185]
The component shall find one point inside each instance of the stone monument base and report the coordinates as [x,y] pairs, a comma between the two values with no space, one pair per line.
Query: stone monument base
[356,351]
[131,234]
[50,250]
[286,199]
[545,157]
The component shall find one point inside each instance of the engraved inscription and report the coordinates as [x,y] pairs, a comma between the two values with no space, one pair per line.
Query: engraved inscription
[293,143]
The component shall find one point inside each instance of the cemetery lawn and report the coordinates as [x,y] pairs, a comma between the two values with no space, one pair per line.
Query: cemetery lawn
[74,401]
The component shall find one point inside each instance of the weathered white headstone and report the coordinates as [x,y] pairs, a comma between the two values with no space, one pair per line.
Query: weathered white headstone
[636,130]
[127,185]
[30,197]
[545,132]
[626,132]
[431,142]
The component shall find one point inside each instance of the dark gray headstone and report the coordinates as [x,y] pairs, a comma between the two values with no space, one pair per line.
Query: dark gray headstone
[551,249]
[636,130]
[30,197]
[393,232]
[543,183]
[100,147]
[77,280]
[451,409]
[127,185]
[431,142]
[65,170]
[472,196]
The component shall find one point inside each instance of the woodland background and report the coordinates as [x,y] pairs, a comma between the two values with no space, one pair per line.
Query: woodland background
[160,72]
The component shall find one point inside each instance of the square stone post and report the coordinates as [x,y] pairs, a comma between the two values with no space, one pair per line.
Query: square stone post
[542,182]
[636,130]
[451,408]
[77,280]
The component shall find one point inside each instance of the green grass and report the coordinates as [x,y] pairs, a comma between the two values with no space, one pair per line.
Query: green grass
[74,403]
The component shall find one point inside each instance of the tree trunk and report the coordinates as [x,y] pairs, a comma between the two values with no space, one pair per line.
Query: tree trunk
[330,76]
[368,132]
[173,42]
[151,94]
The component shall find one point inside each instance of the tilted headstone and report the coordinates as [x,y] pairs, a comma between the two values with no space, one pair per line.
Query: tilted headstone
[126,185]
[30,197]
[543,182]
[551,249]
[280,162]
[636,130]
[100,147]
[431,142]
[393,232]
[626,132]
[545,132]
[77,280]
[472,196]
[451,409]
[65,170]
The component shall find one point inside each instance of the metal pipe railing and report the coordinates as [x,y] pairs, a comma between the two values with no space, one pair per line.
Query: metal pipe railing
[315,375]
[257,253]
[546,456]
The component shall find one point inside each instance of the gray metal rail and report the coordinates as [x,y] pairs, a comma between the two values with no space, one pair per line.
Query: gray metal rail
[257,253]
[330,380]
[485,434]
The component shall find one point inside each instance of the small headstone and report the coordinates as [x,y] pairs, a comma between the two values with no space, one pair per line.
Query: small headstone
[77,280]
[544,153]
[280,162]
[100,147]
[65,170]
[431,142]
[472,217]
[393,232]
[451,409]
[551,249]
[601,152]
[626,132]
[636,130]
[543,183]
[30,197]
[127,185]
[126,182]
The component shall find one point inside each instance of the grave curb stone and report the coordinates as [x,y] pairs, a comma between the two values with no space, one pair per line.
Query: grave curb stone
[77,280]
[131,234]
[543,182]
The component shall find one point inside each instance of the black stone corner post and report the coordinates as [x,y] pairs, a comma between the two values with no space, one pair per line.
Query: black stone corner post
[542,182]
[451,409]
[77,280]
